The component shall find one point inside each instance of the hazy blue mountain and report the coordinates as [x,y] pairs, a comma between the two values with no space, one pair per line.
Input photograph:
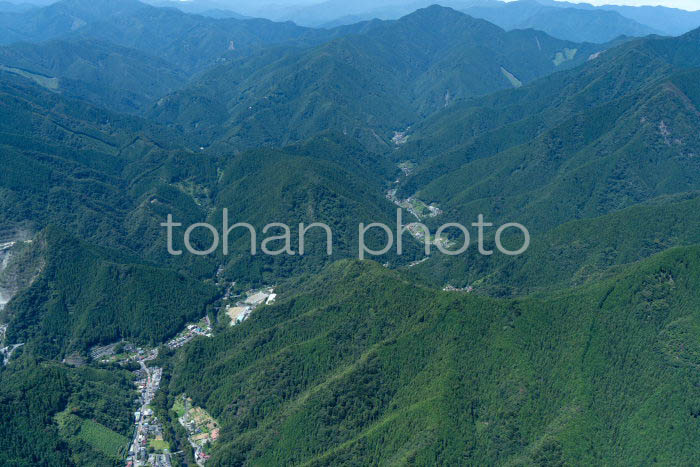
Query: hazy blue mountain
[60,18]
[190,42]
[671,21]
[586,23]
[123,57]
[205,8]
[573,24]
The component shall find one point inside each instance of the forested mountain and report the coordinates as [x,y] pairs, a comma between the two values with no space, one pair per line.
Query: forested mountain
[94,172]
[186,40]
[364,367]
[368,84]
[71,306]
[598,151]
[34,394]
[111,76]
[581,351]
[577,145]
[565,20]
[671,21]
[478,128]
[576,252]
[124,55]
[60,18]
[330,179]
[574,24]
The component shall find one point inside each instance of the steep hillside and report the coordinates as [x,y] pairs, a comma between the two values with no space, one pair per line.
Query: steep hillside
[368,84]
[364,367]
[104,177]
[330,179]
[622,153]
[478,128]
[574,253]
[102,73]
[581,351]
[31,397]
[577,145]
[86,296]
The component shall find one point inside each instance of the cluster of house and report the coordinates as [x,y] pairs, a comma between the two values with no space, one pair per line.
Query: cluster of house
[193,330]
[202,429]
[148,427]
[118,352]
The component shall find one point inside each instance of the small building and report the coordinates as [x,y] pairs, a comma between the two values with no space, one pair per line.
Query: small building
[256,299]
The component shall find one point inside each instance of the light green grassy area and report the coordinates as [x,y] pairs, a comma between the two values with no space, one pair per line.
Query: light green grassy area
[102,438]
[179,407]
[98,436]
[158,445]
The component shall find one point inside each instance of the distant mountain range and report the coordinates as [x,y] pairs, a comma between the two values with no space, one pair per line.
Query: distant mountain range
[671,21]
[570,21]
[581,25]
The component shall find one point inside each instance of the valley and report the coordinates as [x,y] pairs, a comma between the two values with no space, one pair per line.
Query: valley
[127,128]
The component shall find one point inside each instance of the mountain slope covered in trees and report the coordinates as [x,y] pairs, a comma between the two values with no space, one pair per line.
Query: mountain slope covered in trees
[369,84]
[581,351]
[363,367]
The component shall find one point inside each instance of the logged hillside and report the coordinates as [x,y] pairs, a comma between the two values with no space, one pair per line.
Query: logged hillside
[363,367]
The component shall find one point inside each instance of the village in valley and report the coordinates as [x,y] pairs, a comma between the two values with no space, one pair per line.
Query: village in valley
[202,429]
[148,446]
